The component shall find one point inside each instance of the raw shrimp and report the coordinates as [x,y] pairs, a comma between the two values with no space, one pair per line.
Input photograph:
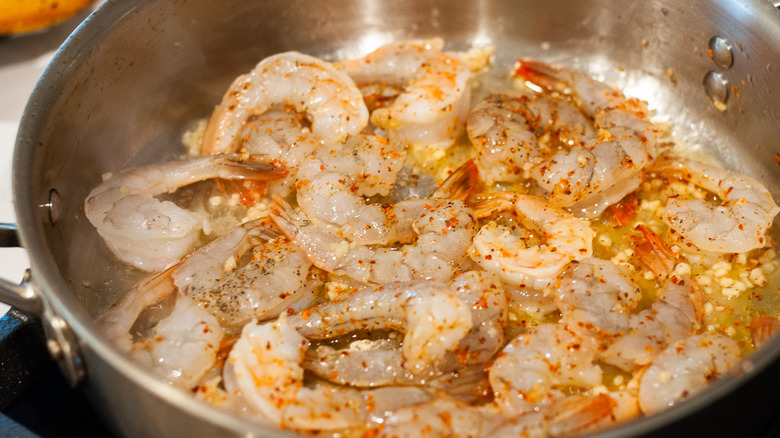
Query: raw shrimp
[588,178]
[275,279]
[571,415]
[330,98]
[265,363]
[279,136]
[676,314]
[211,276]
[433,105]
[380,362]
[430,314]
[506,129]
[497,249]
[151,234]
[597,293]
[332,182]
[762,329]
[530,368]
[483,292]
[444,231]
[440,417]
[182,347]
[738,224]
[684,368]
[264,366]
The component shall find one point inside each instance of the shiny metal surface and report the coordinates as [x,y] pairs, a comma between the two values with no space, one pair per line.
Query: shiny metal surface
[127,84]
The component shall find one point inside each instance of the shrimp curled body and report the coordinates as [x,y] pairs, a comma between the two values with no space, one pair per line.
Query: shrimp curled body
[151,234]
[329,97]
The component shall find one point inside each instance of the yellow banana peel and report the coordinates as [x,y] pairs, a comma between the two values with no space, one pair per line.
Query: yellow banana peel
[20,16]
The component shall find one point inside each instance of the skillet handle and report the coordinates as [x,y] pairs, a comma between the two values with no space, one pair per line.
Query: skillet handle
[22,296]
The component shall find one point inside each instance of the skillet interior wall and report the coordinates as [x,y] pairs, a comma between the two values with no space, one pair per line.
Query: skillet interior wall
[135,84]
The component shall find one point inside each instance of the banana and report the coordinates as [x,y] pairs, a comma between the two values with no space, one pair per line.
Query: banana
[20,16]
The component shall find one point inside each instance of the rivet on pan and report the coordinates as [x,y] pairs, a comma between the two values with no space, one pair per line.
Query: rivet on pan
[720,52]
[716,87]
[54,205]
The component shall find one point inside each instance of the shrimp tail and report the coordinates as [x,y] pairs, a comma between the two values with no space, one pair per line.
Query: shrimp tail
[762,329]
[234,167]
[485,205]
[575,414]
[653,252]
[543,75]
[281,214]
[460,184]
[120,317]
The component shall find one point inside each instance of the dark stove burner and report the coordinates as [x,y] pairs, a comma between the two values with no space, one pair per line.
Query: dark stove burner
[35,399]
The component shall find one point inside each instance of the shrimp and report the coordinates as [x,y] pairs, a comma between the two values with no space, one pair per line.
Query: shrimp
[738,224]
[433,105]
[273,281]
[331,185]
[380,362]
[684,368]
[762,329]
[150,234]
[489,311]
[597,293]
[497,249]
[430,314]
[571,415]
[589,178]
[329,97]
[506,131]
[264,369]
[439,417]
[676,314]
[281,137]
[265,363]
[182,347]
[528,370]
[444,231]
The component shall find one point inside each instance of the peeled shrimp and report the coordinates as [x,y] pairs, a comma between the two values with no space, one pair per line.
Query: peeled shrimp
[211,276]
[443,231]
[497,249]
[330,99]
[571,415]
[264,367]
[684,368]
[433,105]
[440,417]
[676,314]
[281,137]
[738,224]
[598,294]
[182,347]
[505,130]
[430,314]
[151,234]
[331,185]
[265,363]
[274,279]
[588,178]
[528,370]
[380,362]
